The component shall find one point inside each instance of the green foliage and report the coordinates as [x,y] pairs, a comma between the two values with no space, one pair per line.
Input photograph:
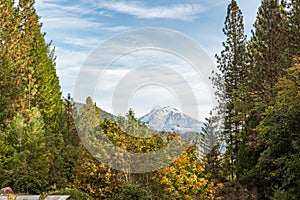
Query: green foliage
[28,80]
[131,192]
[67,149]
[28,67]
[281,194]
[211,132]
[131,135]
[271,53]
[94,177]
[260,102]
[74,194]
[293,26]
[279,163]
[25,163]
[12,61]
[215,165]
[258,91]
[269,50]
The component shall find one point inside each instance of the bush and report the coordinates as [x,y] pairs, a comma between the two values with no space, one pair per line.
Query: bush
[132,192]
[234,190]
[74,194]
[281,194]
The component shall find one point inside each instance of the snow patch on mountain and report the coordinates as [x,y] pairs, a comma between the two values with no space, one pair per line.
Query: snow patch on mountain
[170,119]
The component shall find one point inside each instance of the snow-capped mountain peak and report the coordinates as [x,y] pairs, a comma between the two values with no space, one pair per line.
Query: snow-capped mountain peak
[170,119]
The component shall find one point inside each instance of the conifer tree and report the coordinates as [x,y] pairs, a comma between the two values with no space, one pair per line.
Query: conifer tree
[25,163]
[11,60]
[28,76]
[45,89]
[293,8]
[279,163]
[231,64]
[40,58]
[269,54]
[268,46]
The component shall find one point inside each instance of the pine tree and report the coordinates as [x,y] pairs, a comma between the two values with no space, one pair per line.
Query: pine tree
[11,59]
[69,152]
[268,47]
[269,56]
[25,163]
[279,163]
[28,77]
[46,94]
[43,89]
[211,132]
[231,64]
[293,12]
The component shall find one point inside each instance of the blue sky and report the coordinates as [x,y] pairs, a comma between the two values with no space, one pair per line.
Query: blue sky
[78,27]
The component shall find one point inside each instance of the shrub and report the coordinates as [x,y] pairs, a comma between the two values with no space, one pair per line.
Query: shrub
[132,192]
[74,194]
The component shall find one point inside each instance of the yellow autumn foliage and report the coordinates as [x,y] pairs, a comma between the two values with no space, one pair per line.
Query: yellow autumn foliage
[185,178]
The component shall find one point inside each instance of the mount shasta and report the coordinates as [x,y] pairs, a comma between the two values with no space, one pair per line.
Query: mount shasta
[165,119]
[170,119]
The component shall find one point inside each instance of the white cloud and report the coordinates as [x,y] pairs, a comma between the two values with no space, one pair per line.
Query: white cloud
[147,67]
[59,8]
[148,86]
[84,42]
[116,28]
[77,29]
[70,23]
[178,11]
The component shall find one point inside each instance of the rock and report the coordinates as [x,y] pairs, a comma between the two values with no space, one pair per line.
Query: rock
[6,191]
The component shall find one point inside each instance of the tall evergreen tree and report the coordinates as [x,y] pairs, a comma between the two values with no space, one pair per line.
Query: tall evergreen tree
[269,54]
[293,9]
[44,92]
[231,64]
[28,77]
[268,49]
[279,163]
[24,156]
[47,95]
[11,60]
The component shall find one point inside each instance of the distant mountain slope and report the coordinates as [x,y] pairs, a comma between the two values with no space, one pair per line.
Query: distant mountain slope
[170,119]
[103,113]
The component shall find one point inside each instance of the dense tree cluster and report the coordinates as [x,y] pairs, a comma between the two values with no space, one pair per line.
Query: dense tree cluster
[32,110]
[258,95]
[40,148]
[258,90]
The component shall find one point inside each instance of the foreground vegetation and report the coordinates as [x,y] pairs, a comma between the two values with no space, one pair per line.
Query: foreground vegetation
[258,88]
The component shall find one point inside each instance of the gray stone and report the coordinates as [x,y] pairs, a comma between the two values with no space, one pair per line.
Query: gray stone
[6,190]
